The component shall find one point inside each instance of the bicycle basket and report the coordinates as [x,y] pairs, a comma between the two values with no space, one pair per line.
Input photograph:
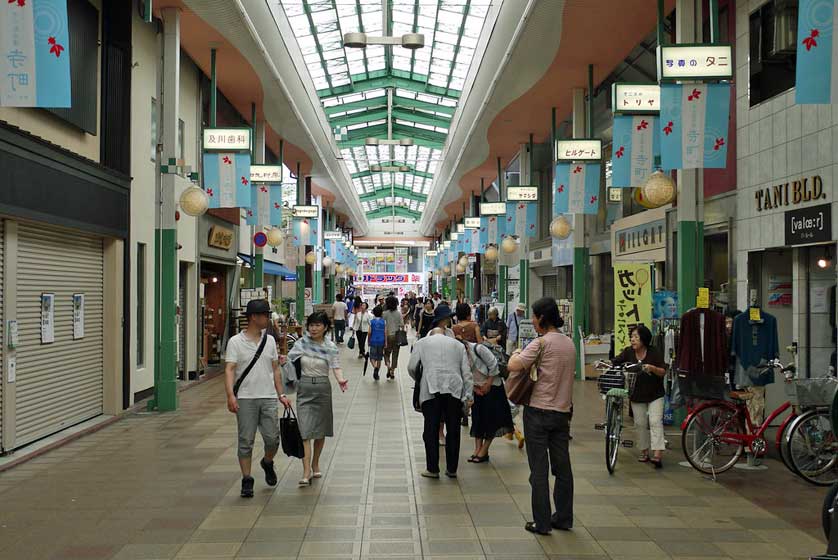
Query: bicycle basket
[631,379]
[611,379]
[817,391]
[708,387]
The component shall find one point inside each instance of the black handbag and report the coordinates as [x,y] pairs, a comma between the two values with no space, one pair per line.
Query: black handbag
[351,342]
[417,404]
[289,432]
[401,337]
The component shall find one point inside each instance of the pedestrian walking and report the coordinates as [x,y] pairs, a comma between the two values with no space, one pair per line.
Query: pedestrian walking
[253,383]
[315,357]
[426,319]
[340,314]
[491,416]
[466,329]
[361,327]
[512,327]
[394,322]
[378,338]
[547,417]
[494,330]
[440,366]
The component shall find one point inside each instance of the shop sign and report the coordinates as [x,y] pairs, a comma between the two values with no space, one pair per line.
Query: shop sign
[488,209]
[809,225]
[306,211]
[220,238]
[265,173]
[413,278]
[644,237]
[461,228]
[695,62]
[635,99]
[227,139]
[454,236]
[527,194]
[332,235]
[615,194]
[632,299]
[430,253]
[474,223]
[579,150]
[806,189]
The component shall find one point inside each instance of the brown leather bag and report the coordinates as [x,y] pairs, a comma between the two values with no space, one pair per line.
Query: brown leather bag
[519,385]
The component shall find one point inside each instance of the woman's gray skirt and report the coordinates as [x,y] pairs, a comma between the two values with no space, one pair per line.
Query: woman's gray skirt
[314,407]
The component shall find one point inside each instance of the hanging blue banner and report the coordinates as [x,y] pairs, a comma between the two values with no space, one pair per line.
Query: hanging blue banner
[483,236]
[636,142]
[817,77]
[304,231]
[493,230]
[577,188]
[694,125]
[265,205]
[227,179]
[35,42]
[510,221]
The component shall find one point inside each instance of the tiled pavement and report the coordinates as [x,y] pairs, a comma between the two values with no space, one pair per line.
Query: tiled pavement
[166,486]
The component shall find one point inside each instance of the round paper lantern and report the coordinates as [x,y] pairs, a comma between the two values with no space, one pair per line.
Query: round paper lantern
[560,227]
[430,274]
[339,268]
[275,237]
[194,201]
[460,269]
[509,245]
[446,269]
[327,262]
[311,258]
[659,189]
[463,261]
[491,253]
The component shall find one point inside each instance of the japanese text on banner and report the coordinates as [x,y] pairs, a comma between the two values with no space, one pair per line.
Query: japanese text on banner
[632,300]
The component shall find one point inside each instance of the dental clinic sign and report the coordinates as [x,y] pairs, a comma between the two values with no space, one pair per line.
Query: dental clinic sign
[809,225]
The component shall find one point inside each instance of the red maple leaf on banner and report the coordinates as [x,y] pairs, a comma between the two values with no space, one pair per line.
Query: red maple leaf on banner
[668,128]
[55,48]
[210,193]
[521,206]
[643,125]
[810,40]
[276,205]
[532,226]
[509,219]
[593,199]
[492,220]
[560,189]
[263,189]
[250,213]
[719,143]
[578,169]
[20,3]
[244,181]
[694,96]
[620,151]
[227,160]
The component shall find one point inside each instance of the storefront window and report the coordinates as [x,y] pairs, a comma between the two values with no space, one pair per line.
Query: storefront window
[773,49]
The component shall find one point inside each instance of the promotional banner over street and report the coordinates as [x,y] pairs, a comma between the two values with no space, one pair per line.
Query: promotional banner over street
[636,143]
[817,77]
[632,300]
[576,188]
[694,125]
[265,206]
[227,179]
[35,42]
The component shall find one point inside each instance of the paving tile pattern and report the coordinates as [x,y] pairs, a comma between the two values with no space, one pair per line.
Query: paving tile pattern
[166,486]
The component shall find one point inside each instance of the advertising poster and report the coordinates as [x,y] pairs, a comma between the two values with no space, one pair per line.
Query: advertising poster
[78,316]
[664,306]
[632,300]
[779,291]
[47,318]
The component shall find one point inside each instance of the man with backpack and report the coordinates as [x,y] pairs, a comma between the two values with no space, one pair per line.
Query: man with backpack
[253,382]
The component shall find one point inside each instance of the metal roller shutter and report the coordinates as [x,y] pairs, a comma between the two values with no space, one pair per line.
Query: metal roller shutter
[2,335]
[58,384]
[550,286]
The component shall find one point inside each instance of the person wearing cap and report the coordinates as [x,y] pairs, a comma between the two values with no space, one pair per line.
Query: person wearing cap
[254,384]
[445,386]
[512,327]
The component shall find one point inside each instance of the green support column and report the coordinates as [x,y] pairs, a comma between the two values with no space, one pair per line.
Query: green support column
[503,275]
[690,262]
[580,300]
[301,263]
[165,390]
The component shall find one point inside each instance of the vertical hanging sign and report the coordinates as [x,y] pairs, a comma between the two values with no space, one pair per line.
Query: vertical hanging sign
[632,300]
[817,75]
[227,175]
[35,62]
[577,188]
[694,125]
[636,143]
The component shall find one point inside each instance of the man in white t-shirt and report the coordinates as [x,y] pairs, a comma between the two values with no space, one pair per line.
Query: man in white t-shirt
[340,318]
[253,397]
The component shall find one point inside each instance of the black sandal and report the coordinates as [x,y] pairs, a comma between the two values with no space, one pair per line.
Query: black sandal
[479,459]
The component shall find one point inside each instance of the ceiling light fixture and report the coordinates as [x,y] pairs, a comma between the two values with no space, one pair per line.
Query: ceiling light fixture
[410,41]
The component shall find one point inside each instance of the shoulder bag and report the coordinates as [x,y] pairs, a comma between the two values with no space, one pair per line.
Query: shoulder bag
[250,365]
[519,385]
[401,337]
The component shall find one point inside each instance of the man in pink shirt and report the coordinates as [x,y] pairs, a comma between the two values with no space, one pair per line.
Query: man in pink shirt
[547,417]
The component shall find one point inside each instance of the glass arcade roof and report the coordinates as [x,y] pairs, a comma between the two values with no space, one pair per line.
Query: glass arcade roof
[425,85]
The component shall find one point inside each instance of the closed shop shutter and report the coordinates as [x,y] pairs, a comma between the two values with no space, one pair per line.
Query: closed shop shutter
[58,384]
[2,335]
[550,286]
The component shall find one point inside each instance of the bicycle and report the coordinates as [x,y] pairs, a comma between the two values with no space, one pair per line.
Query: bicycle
[809,440]
[616,384]
[715,434]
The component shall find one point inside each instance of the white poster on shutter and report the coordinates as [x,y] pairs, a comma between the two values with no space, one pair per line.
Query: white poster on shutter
[47,318]
[78,316]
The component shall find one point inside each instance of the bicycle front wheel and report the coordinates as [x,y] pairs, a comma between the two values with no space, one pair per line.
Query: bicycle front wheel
[709,441]
[613,429]
[812,448]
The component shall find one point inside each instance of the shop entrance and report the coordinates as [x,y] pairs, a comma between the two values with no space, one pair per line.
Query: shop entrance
[214,281]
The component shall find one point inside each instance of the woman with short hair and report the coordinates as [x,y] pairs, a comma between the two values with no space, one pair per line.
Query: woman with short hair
[394,322]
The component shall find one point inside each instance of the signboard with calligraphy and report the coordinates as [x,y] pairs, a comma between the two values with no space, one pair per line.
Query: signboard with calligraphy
[695,62]
[809,225]
[635,99]
[227,139]
[632,300]
[579,150]
[265,173]
[220,238]
[489,209]
[527,194]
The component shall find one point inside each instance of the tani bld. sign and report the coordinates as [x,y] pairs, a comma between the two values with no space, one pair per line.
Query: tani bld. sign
[806,189]
[809,225]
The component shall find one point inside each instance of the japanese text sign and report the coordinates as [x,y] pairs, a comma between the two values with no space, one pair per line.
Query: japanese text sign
[472,223]
[461,228]
[632,300]
[578,150]
[695,62]
[227,139]
[332,235]
[306,211]
[635,99]
[265,173]
[527,194]
[490,209]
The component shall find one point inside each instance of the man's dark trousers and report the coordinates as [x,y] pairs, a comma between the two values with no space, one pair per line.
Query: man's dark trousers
[549,431]
[448,409]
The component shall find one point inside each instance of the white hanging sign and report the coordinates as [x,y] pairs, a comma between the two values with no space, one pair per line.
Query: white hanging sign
[579,150]
[227,139]
[635,99]
[265,173]
[527,194]
[474,223]
[695,62]
[490,209]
